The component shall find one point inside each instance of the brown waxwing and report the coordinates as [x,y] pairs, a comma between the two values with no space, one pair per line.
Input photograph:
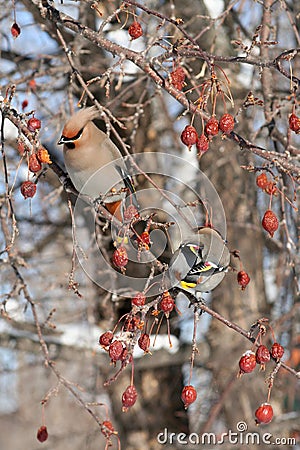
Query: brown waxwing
[199,264]
[94,163]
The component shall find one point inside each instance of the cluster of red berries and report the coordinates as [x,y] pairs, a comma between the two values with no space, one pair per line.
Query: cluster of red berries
[177,77]
[189,136]
[35,161]
[117,351]
[247,364]
[268,186]
[262,355]
[294,123]
[135,30]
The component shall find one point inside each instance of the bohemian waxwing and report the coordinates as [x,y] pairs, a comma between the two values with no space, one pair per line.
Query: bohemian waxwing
[94,163]
[199,264]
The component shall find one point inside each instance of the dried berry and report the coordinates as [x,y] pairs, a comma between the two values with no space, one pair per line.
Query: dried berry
[167,303]
[15,30]
[120,257]
[28,189]
[262,355]
[115,350]
[189,136]
[212,127]
[21,148]
[243,279]
[270,222]
[188,395]
[106,338]
[294,123]
[247,362]
[277,351]
[144,240]
[135,30]
[42,434]
[177,78]
[43,156]
[202,144]
[107,428]
[34,124]
[34,164]
[131,323]
[271,188]
[129,397]
[130,213]
[226,123]
[264,414]
[139,299]
[262,181]
[144,342]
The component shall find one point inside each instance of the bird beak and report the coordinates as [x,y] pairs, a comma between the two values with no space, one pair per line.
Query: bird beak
[61,141]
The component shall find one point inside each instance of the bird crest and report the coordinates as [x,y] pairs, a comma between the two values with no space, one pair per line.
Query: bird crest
[79,120]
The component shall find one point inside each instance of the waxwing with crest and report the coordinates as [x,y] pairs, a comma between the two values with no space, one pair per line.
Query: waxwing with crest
[93,162]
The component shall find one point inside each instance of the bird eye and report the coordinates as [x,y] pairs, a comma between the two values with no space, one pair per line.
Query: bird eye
[70,145]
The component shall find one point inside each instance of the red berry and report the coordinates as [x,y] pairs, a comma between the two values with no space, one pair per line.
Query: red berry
[144,342]
[264,414]
[188,395]
[270,222]
[262,355]
[167,303]
[129,397]
[247,362]
[202,144]
[294,123]
[212,127]
[135,30]
[115,350]
[277,351]
[139,299]
[177,78]
[15,30]
[262,181]
[130,213]
[28,189]
[107,428]
[120,257]
[42,434]
[34,164]
[106,338]
[34,124]
[24,104]
[189,136]
[243,279]
[226,123]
